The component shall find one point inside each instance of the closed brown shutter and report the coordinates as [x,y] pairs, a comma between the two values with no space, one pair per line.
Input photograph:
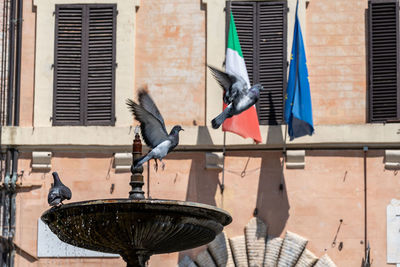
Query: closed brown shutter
[272,61]
[261,28]
[67,107]
[245,16]
[384,96]
[101,65]
[84,65]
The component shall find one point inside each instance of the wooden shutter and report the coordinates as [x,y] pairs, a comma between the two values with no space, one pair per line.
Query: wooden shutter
[384,96]
[261,27]
[84,65]
[272,61]
[67,104]
[101,65]
[245,14]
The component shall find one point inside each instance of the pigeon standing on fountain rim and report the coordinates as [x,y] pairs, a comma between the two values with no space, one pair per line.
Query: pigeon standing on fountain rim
[153,129]
[59,192]
[237,95]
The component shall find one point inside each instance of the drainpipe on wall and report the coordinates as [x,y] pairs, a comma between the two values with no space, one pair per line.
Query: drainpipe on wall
[6,214]
[14,176]
[4,62]
[11,55]
[18,63]
[13,195]
[365,202]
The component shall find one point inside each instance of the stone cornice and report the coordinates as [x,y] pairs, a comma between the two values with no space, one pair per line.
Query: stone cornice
[200,138]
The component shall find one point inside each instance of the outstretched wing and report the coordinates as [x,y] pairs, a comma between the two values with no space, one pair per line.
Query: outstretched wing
[223,78]
[232,84]
[153,130]
[148,104]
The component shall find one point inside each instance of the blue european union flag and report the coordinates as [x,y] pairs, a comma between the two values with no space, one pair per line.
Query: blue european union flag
[298,108]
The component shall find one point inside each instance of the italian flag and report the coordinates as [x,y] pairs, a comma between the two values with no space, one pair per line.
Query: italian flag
[246,123]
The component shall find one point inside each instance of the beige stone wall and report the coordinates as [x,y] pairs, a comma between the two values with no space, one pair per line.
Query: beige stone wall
[330,188]
[27,64]
[170,49]
[336,54]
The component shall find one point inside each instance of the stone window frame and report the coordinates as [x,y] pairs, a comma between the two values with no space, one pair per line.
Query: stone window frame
[44,54]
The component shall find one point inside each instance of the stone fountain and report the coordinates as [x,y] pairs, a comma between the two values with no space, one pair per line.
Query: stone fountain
[136,228]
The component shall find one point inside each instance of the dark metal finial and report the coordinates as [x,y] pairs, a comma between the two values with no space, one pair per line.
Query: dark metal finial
[137,176]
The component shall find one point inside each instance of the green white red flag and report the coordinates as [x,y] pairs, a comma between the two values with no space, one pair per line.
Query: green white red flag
[246,123]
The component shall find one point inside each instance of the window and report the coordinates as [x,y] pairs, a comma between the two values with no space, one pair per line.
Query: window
[84,65]
[261,27]
[384,92]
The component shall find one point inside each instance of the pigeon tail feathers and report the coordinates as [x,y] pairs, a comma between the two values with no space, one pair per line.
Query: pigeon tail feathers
[217,121]
[140,161]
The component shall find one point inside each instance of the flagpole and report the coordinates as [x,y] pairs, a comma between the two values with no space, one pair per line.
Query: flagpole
[227,22]
[222,186]
[281,185]
[286,124]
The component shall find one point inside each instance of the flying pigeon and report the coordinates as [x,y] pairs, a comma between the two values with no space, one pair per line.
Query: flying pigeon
[59,192]
[153,129]
[237,95]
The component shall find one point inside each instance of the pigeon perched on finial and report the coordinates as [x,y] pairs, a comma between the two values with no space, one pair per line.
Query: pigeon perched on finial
[59,192]
[237,95]
[153,129]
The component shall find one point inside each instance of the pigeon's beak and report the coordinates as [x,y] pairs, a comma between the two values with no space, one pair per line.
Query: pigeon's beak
[182,129]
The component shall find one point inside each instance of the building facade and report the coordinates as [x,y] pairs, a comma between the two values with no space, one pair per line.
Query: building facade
[80,61]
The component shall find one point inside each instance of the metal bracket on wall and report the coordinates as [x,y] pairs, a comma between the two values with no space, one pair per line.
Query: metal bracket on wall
[25,185]
[137,3]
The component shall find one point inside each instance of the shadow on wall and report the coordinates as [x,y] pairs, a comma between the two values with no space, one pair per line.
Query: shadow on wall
[202,188]
[200,179]
[272,199]
[271,202]
[202,184]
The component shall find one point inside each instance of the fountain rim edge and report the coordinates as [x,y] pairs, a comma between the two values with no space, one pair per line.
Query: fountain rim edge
[159,202]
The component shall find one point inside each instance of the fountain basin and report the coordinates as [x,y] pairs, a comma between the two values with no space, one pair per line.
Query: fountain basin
[136,229]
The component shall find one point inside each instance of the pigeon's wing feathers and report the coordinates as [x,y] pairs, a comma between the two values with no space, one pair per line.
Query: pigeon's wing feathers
[223,78]
[239,84]
[153,130]
[66,192]
[232,83]
[148,104]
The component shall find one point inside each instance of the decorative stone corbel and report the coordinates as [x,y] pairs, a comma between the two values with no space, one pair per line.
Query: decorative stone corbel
[295,159]
[41,161]
[214,161]
[122,162]
[392,159]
